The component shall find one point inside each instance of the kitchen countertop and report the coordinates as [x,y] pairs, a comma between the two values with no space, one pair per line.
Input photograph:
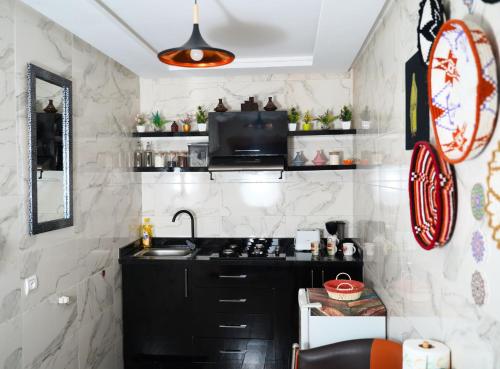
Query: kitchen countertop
[207,246]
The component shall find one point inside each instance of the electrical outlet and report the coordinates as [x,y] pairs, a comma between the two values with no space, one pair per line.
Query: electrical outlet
[30,284]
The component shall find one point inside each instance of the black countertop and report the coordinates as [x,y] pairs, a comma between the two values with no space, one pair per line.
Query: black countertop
[206,247]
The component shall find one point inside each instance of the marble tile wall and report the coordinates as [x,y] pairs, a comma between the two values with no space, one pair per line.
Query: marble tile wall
[249,204]
[428,293]
[81,261]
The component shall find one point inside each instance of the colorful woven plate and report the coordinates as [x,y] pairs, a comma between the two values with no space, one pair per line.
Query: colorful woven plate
[433,197]
[431,17]
[477,246]
[462,83]
[477,201]
[478,288]
[493,194]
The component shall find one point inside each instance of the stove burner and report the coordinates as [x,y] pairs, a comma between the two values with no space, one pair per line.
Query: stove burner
[251,248]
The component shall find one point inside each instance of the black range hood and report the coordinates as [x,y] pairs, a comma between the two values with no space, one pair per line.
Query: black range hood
[248,141]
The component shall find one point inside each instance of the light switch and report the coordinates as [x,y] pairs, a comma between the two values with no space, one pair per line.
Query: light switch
[30,284]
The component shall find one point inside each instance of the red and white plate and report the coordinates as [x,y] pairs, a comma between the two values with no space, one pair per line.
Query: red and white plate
[463,90]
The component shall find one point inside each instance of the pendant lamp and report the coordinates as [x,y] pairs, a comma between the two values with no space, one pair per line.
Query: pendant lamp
[196,53]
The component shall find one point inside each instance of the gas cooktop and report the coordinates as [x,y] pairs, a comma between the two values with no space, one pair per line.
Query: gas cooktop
[251,248]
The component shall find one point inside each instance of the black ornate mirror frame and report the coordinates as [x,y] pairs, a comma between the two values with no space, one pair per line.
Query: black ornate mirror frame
[34,73]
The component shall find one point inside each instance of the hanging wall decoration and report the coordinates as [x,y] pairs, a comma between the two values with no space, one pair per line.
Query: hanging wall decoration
[478,288]
[433,197]
[463,98]
[477,200]
[417,103]
[431,18]
[477,246]
[493,194]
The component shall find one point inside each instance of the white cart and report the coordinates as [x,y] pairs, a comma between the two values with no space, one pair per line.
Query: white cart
[324,321]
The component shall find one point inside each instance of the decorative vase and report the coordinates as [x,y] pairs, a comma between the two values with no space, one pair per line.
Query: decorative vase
[319,159]
[50,108]
[299,159]
[140,128]
[325,125]
[346,124]
[186,128]
[306,126]
[174,127]
[202,127]
[270,105]
[157,128]
[292,126]
[250,105]
[220,108]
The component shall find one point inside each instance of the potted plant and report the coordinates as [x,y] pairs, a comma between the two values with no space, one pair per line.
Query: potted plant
[158,122]
[186,123]
[293,118]
[308,119]
[346,117]
[201,118]
[140,123]
[326,119]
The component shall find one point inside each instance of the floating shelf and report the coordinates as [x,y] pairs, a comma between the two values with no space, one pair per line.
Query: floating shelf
[323,132]
[303,168]
[172,170]
[170,134]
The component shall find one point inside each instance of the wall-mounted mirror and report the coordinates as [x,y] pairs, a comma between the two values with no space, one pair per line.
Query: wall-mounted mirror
[50,151]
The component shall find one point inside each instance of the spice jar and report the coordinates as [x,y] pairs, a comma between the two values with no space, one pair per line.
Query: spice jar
[335,157]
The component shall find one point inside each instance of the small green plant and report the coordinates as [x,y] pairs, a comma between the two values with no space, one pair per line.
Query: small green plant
[201,114]
[187,120]
[308,117]
[345,114]
[294,115]
[140,120]
[326,119]
[157,121]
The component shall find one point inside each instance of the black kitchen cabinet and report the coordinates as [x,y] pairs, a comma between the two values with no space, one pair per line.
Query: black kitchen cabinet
[156,311]
[220,314]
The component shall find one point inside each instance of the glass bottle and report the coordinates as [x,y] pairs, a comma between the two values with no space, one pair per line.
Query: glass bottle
[174,127]
[148,156]
[138,155]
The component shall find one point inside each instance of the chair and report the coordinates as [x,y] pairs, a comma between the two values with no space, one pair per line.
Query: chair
[354,354]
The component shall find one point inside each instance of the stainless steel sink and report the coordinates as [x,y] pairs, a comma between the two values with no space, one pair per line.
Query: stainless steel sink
[170,252]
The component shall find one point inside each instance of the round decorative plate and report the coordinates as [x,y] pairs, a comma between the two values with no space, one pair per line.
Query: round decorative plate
[463,96]
[433,197]
[477,200]
[477,246]
[478,288]
[431,17]
[493,194]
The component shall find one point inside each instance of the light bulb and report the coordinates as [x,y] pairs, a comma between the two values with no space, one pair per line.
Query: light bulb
[196,54]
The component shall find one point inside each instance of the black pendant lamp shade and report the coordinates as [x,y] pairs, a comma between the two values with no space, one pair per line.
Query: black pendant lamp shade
[196,53]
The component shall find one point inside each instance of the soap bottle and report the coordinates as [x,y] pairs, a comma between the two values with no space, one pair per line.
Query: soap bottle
[148,156]
[147,233]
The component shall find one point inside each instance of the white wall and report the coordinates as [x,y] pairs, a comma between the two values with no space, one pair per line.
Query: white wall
[35,332]
[249,204]
[428,293]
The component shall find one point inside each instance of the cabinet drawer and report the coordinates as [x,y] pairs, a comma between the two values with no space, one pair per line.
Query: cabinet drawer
[229,325]
[233,300]
[223,275]
[233,351]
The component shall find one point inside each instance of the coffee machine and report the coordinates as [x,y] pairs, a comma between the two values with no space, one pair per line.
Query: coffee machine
[337,231]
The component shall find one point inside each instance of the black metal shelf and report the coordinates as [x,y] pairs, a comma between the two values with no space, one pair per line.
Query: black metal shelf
[170,134]
[306,168]
[177,169]
[323,132]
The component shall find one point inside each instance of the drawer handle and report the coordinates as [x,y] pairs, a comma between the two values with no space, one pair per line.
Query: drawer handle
[224,352]
[235,301]
[241,276]
[233,326]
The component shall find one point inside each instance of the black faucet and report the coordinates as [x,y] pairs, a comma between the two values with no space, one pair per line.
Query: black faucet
[190,215]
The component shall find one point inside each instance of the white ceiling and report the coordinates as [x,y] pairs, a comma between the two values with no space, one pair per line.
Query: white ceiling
[265,35]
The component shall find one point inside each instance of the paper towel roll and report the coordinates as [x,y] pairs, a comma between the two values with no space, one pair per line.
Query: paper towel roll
[416,356]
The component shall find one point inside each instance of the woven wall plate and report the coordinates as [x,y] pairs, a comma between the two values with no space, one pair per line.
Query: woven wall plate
[478,288]
[431,17]
[477,201]
[493,194]
[463,96]
[433,197]
[478,247]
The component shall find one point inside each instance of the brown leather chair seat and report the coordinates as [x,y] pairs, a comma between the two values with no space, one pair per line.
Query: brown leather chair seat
[355,354]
